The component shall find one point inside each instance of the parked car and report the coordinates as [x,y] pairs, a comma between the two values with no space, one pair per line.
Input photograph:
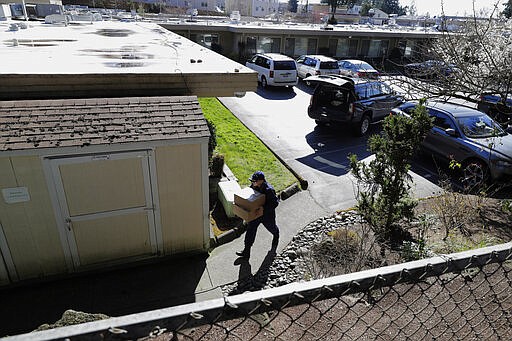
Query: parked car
[498,107]
[354,101]
[357,68]
[315,65]
[430,69]
[274,69]
[468,137]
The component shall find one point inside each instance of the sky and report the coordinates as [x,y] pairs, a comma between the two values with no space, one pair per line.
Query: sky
[451,7]
[433,7]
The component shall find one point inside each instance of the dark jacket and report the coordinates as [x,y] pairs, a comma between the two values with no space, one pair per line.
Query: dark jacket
[271,199]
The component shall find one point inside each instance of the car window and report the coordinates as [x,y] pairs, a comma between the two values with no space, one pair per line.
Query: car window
[253,59]
[385,89]
[284,65]
[263,62]
[310,62]
[329,65]
[481,126]
[374,89]
[300,60]
[365,66]
[441,120]
[496,99]
[361,91]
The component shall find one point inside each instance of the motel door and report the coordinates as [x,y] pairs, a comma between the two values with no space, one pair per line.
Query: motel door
[106,207]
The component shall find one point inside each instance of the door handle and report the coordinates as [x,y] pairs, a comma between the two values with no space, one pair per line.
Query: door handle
[68,223]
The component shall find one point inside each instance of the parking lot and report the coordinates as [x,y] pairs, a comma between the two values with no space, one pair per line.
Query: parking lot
[278,116]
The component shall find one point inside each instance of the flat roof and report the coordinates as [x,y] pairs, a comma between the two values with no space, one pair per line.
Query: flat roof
[265,27]
[111,58]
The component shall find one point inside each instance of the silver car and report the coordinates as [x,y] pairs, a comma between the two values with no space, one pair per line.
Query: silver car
[468,137]
[357,68]
[315,65]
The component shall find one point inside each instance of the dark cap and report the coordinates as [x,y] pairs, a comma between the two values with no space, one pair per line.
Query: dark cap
[257,176]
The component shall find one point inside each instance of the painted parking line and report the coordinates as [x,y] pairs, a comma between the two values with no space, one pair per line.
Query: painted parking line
[329,163]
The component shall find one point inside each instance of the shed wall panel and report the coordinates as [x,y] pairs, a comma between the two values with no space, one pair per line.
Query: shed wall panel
[179,169]
[30,227]
[125,236]
[120,183]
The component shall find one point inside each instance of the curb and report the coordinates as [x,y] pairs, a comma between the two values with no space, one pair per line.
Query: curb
[228,236]
[288,192]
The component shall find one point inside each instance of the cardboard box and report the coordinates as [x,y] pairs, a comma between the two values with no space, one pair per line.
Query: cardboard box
[249,199]
[247,215]
[226,195]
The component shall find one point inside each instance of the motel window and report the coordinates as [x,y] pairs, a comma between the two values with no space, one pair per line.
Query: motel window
[289,47]
[263,45]
[251,45]
[312,43]
[406,47]
[343,48]
[206,40]
[374,48]
[300,46]
[268,44]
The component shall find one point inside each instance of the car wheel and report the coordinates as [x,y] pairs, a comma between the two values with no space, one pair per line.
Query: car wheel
[308,83]
[364,126]
[264,83]
[475,174]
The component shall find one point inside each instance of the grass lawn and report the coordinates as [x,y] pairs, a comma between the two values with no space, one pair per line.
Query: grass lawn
[243,152]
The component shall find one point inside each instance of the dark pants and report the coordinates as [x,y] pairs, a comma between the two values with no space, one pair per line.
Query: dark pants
[268,220]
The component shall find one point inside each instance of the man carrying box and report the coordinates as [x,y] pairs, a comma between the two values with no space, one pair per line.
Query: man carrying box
[268,219]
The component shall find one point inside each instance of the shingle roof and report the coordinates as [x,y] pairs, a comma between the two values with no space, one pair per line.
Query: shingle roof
[98,121]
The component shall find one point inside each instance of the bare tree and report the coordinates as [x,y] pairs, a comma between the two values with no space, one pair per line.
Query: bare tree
[334,4]
[473,57]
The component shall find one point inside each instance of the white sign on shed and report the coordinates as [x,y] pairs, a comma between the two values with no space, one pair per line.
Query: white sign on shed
[15,195]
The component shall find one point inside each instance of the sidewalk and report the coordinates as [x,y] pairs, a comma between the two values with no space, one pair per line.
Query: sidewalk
[292,215]
[149,286]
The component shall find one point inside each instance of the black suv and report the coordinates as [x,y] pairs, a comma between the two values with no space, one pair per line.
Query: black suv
[358,102]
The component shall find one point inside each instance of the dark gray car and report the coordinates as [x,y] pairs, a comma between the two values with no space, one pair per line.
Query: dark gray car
[350,101]
[468,137]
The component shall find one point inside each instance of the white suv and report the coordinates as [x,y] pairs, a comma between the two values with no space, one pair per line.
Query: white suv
[315,65]
[274,69]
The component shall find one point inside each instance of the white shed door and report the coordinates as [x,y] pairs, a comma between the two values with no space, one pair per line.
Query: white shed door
[106,206]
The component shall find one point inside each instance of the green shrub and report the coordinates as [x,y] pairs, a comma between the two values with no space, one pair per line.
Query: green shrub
[383,197]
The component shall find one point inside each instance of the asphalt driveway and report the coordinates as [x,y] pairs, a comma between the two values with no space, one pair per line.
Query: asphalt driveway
[278,116]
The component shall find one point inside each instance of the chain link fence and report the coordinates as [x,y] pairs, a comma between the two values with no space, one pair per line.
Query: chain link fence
[463,296]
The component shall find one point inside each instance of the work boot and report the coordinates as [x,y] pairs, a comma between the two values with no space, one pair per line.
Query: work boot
[244,253]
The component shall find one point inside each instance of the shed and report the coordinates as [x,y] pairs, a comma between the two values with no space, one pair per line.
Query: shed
[89,183]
